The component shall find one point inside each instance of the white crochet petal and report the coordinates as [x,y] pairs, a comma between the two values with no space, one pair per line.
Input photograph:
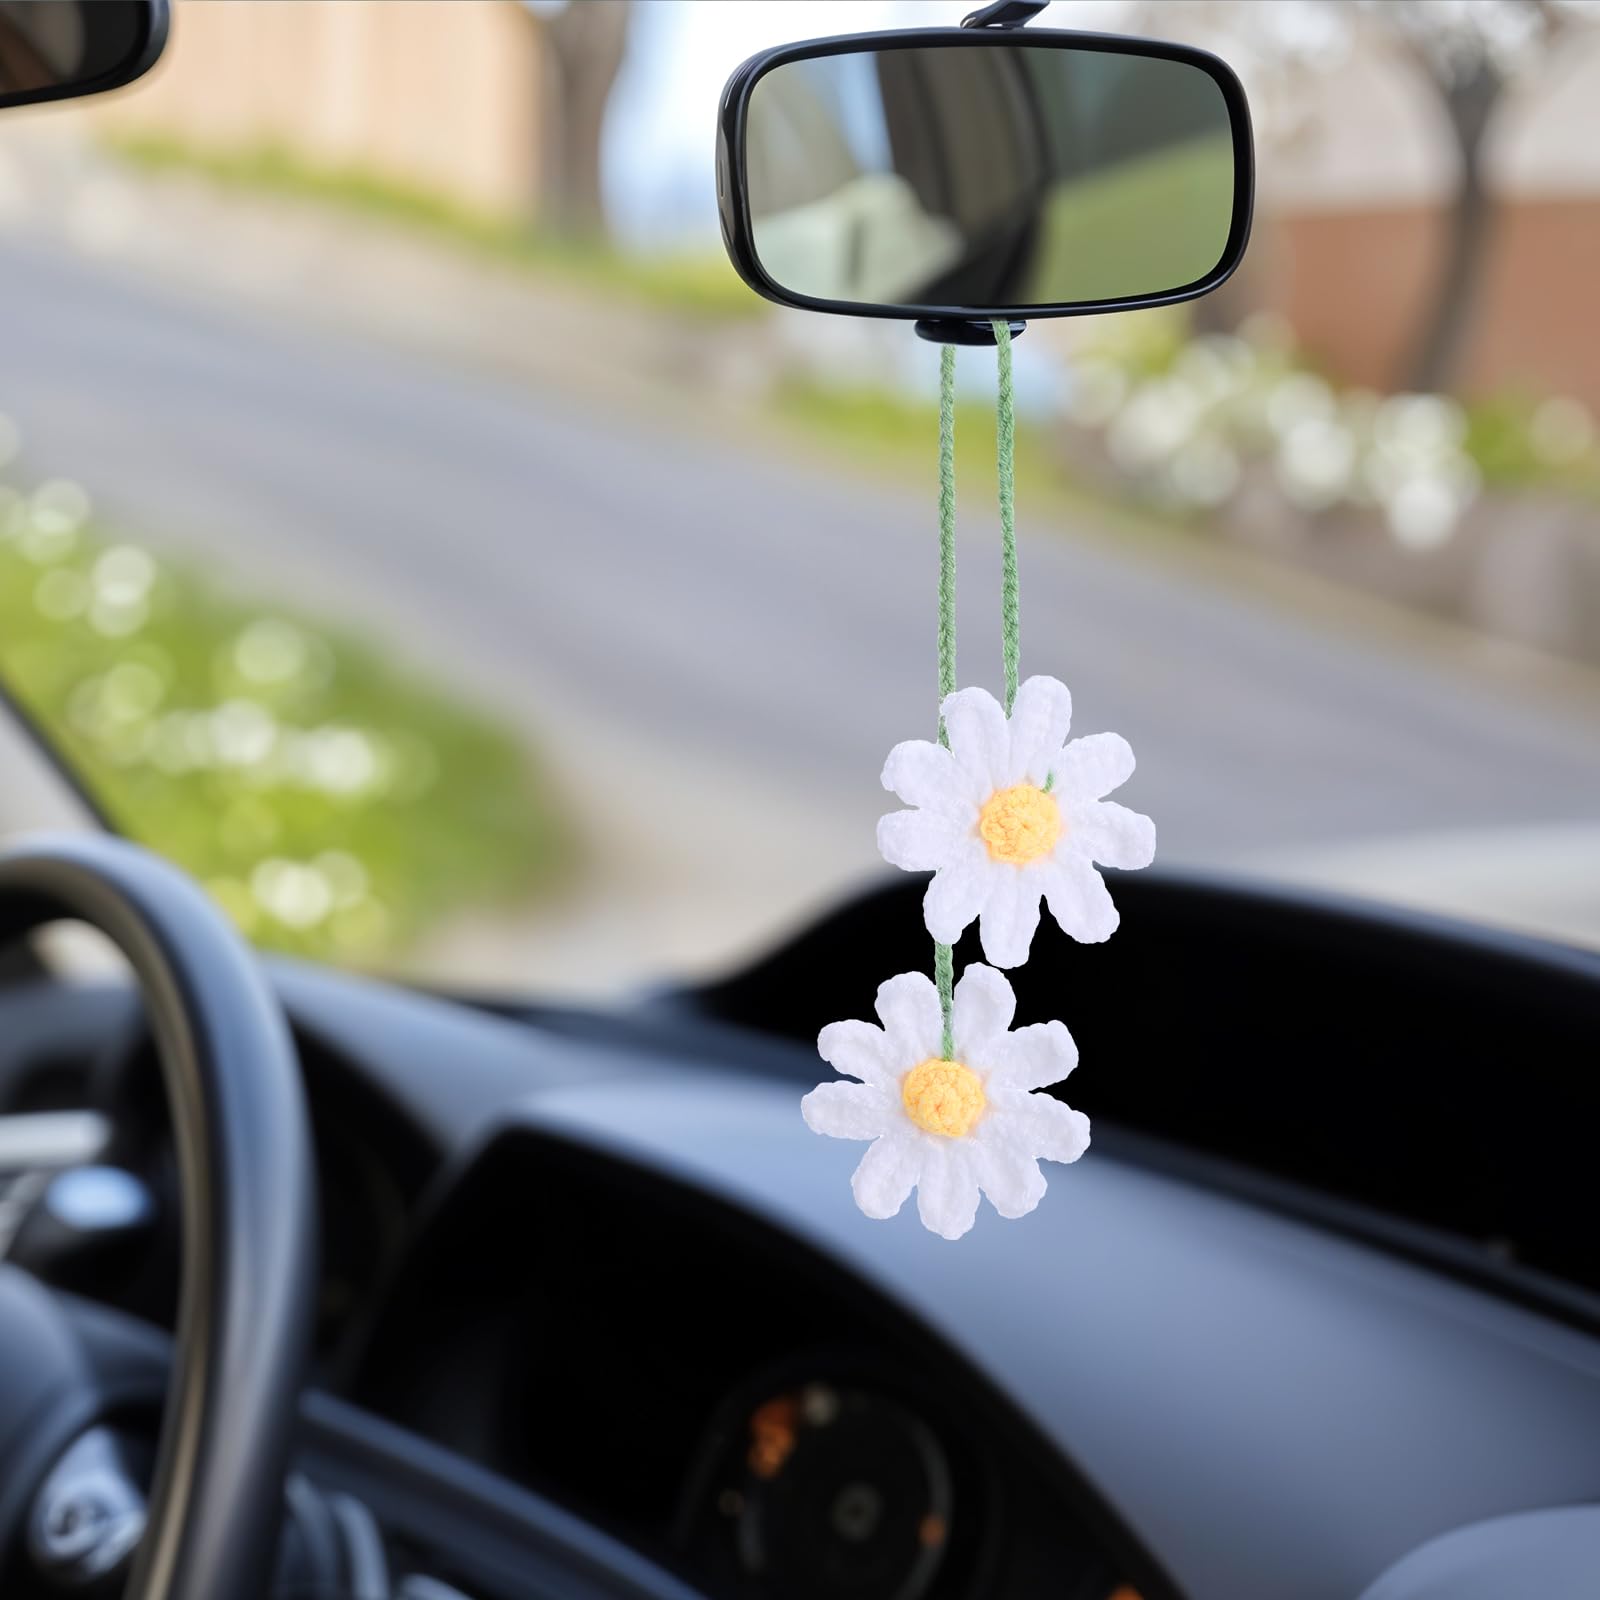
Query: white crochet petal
[980,741]
[1034,1057]
[887,1174]
[1079,900]
[1010,914]
[1113,835]
[918,841]
[947,1191]
[925,774]
[982,1011]
[859,1050]
[849,1110]
[908,1008]
[1091,767]
[959,891]
[1040,717]
[1007,1172]
[1048,1127]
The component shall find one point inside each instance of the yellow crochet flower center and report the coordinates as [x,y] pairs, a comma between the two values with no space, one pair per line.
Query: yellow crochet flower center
[1020,824]
[943,1097]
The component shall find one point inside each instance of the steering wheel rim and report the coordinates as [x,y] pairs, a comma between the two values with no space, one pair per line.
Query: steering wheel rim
[245,1162]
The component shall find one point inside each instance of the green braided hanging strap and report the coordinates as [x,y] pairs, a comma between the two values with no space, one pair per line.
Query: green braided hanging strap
[947,528]
[1010,610]
[1005,441]
[944,969]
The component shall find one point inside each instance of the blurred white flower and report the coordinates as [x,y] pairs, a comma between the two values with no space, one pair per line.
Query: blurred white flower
[1153,424]
[270,651]
[1209,370]
[1205,472]
[341,761]
[123,575]
[59,505]
[1422,510]
[1221,402]
[296,894]
[1299,398]
[131,691]
[243,733]
[1419,427]
[1316,462]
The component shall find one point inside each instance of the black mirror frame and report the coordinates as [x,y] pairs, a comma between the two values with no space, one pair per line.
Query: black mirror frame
[158,21]
[733,198]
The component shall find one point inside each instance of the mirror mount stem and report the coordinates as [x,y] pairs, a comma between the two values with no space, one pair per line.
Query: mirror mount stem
[954,330]
[958,330]
[1004,14]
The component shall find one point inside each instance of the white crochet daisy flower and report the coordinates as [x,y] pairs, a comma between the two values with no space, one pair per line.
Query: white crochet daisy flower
[1010,813]
[948,1127]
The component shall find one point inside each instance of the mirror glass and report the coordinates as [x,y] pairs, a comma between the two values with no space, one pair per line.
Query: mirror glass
[1004,176]
[50,49]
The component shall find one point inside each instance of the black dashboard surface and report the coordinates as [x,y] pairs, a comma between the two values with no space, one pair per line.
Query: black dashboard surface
[1181,1370]
[1275,1411]
[1273,1400]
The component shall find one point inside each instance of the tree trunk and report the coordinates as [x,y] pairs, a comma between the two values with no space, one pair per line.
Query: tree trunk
[587,39]
[1469,102]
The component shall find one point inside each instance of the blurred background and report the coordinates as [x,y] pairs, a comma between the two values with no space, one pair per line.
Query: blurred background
[410,524]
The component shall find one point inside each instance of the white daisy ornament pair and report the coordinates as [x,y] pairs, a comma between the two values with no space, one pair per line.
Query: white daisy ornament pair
[1009,814]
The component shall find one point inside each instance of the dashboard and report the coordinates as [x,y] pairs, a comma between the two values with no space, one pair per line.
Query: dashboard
[1263,1344]
[715,1393]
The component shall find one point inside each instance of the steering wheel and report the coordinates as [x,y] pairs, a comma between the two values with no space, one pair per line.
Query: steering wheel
[244,1157]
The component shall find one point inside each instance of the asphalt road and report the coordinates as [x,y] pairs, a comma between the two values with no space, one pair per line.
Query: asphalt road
[711,614]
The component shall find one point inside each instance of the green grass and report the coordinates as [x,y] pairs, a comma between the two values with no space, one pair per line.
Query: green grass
[699,284]
[1501,439]
[334,806]
[1142,227]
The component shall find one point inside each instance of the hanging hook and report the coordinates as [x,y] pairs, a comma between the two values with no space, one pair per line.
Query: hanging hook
[1004,14]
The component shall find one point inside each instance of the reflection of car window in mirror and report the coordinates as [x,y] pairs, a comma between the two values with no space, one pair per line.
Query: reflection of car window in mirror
[1019,176]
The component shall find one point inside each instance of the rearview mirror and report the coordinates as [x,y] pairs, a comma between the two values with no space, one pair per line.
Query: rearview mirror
[58,49]
[975,173]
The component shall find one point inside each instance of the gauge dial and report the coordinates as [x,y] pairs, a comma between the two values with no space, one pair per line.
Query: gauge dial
[837,1491]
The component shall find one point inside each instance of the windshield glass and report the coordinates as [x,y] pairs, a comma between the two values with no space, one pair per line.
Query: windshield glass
[410,525]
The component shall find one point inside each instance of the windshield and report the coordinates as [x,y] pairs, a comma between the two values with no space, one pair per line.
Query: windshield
[411,526]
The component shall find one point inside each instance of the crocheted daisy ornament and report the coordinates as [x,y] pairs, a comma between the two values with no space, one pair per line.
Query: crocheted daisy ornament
[1009,813]
[948,1126]
[1006,812]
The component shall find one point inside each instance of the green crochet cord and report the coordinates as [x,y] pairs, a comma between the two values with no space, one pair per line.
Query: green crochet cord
[944,966]
[1005,439]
